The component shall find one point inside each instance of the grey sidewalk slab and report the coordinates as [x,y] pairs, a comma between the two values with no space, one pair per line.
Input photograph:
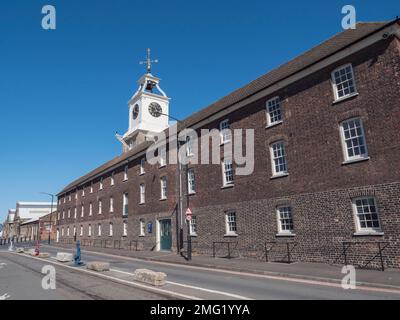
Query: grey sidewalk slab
[314,271]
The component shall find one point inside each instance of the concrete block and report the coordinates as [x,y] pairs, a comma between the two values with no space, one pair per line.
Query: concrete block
[44,255]
[98,266]
[151,277]
[64,257]
[20,250]
[31,252]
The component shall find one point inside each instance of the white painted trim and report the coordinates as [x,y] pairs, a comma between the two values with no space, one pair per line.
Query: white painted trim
[334,86]
[346,157]
[365,231]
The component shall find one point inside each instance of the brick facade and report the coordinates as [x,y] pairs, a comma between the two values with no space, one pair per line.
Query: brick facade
[319,187]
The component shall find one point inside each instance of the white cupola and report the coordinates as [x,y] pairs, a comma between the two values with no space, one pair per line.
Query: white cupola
[148,109]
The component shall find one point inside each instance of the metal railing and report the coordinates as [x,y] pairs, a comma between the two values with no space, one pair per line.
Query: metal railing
[380,246]
[228,246]
[289,247]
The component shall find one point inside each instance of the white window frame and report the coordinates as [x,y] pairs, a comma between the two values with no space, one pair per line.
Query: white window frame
[100,206]
[76,195]
[276,103]
[225,163]
[110,229]
[189,147]
[142,166]
[124,229]
[142,193]
[62,232]
[82,211]
[276,173]
[125,204]
[99,230]
[142,231]
[343,140]
[191,177]
[126,168]
[228,224]
[89,230]
[193,226]
[368,230]
[112,178]
[334,84]
[101,184]
[74,231]
[63,214]
[91,187]
[90,209]
[282,231]
[81,231]
[83,192]
[69,213]
[75,212]
[225,131]
[111,204]
[67,231]
[163,157]
[163,187]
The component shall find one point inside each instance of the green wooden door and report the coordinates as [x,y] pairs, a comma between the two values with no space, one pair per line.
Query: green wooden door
[165,235]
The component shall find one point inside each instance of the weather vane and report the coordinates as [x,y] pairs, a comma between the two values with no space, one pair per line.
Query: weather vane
[148,61]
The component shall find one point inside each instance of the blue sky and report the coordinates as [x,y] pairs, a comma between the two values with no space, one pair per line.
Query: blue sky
[64,93]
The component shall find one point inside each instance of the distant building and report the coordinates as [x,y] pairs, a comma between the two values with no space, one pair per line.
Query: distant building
[8,225]
[47,225]
[24,220]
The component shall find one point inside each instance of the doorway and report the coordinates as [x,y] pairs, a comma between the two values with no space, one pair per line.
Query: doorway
[165,235]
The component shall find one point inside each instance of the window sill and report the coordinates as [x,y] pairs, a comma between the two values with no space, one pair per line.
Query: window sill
[124,216]
[230,235]
[191,193]
[142,203]
[163,199]
[163,166]
[353,95]
[285,235]
[124,180]
[228,186]
[193,234]
[142,236]
[355,161]
[274,124]
[141,174]
[279,176]
[368,233]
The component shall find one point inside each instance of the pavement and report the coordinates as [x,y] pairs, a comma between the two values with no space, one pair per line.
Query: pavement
[221,279]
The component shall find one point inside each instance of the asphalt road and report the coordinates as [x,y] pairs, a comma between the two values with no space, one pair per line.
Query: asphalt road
[213,284]
[21,279]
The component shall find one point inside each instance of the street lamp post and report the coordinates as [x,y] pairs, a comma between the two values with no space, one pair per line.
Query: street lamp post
[51,213]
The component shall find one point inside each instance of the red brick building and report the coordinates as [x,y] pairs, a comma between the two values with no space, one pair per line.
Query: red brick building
[326,175]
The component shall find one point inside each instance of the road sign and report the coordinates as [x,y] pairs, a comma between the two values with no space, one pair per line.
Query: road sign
[188,214]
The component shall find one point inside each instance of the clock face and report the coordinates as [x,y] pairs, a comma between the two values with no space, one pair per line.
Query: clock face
[155,109]
[135,111]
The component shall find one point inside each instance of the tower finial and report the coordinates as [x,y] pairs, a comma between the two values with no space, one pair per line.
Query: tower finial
[148,61]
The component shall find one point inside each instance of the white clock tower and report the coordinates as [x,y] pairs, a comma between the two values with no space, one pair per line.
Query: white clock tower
[148,109]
